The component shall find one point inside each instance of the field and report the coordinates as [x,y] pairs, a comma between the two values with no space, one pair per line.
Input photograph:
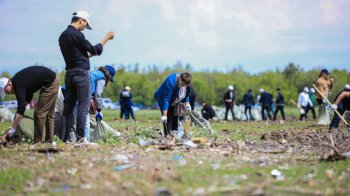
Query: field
[249,158]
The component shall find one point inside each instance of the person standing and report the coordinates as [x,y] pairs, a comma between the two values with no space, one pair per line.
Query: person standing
[126,97]
[76,51]
[279,104]
[248,101]
[341,104]
[312,107]
[304,102]
[121,103]
[229,99]
[173,100]
[207,111]
[24,84]
[324,85]
[265,102]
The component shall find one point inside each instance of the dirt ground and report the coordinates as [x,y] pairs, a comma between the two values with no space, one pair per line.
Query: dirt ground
[279,162]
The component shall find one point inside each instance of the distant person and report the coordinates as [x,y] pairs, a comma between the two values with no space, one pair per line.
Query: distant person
[76,51]
[126,97]
[324,84]
[248,101]
[313,101]
[207,111]
[265,102]
[172,97]
[121,103]
[304,102]
[279,105]
[23,85]
[229,99]
[341,104]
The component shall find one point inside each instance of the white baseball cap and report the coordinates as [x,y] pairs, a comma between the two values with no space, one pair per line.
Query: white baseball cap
[262,90]
[84,15]
[306,89]
[230,88]
[3,83]
[312,90]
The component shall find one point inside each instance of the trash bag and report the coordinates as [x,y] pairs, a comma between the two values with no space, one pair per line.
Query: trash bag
[99,130]
[25,127]
[324,115]
[5,114]
[256,114]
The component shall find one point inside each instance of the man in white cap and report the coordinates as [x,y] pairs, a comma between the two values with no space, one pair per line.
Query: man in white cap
[76,51]
[341,104]
[229,99]
[23,85]
[304,102]
[265,102]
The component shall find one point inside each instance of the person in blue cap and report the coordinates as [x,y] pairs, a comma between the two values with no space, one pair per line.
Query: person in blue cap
[324,84]
[98,80]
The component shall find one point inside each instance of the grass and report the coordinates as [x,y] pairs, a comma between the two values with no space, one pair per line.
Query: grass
[195,170]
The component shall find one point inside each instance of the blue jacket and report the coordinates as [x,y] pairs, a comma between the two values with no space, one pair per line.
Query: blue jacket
[125,97]
[94,77]
[168,91]
[265,98]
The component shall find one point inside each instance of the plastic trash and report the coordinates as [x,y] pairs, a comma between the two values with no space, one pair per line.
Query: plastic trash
[277,175]
[144,143]
[123,167]
[190,144]
[177,157]
[180,132]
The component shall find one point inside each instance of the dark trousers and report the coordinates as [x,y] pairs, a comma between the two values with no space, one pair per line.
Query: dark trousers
[122,111]
[312,111]
[265,107]
[279,108]
[248,108]
[229,108]
[77,90]
[128,110]
[172,121]
[336,118]
[303,116]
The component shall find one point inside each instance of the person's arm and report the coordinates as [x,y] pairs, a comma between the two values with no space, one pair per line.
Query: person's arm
[109,36]
[98,93]
[341,97]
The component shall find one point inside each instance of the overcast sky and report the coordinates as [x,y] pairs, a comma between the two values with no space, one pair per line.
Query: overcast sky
[258,35]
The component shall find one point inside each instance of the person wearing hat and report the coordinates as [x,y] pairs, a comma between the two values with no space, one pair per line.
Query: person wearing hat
[279,105]
[172,97]
[312,107]
[76,50]
[341,104]
[324,84]
[229,100]
[265,102]
[303,102]
[125,97]
[24,84]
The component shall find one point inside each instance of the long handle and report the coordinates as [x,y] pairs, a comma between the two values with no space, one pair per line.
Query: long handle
[293,102]
[330,104]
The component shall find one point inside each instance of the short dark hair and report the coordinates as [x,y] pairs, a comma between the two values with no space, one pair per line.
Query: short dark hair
[278,89]
[186,78]
[75,19]
[249,90]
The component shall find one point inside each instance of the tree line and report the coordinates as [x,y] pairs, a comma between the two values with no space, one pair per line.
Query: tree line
[211,85]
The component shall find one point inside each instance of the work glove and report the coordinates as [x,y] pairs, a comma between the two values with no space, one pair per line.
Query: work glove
[163,119]
[99,116]
[11,132]
[334,107]
[188,107]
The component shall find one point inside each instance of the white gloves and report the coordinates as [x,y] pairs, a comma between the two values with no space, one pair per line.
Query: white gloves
[188,107]
[334,107]
[11,131]
[163,119]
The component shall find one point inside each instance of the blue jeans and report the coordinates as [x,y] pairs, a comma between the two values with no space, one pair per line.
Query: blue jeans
[77,90]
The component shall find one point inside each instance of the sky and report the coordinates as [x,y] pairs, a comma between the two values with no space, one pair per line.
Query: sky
[256,35]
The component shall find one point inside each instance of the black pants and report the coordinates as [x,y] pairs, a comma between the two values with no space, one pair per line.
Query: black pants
[248,108]
[312,111]
[265,107]
[303,116]
[77,90]
[336,118]
[279,108]
[128,110]
[229,107]
[172,121]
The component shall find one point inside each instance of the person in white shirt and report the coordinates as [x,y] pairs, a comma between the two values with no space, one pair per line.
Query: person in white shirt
[304,102]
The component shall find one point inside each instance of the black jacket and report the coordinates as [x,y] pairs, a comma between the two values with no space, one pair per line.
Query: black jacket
[227,96]
[248,99]
[208,112]
[280,100]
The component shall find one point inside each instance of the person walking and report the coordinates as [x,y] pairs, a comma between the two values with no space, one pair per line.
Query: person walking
[24,84]
[229,99]
[265,102]
[279,105]
[324,84]
[76,51]
[207,111]
[341,104]
[173,100]
[304,102]
[126,97]
[248,101]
